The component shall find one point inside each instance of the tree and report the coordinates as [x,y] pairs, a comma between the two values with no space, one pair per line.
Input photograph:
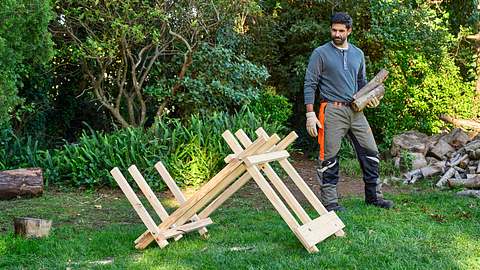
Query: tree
[118,43]
[25,44]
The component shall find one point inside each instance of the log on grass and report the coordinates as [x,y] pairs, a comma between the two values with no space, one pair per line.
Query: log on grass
[469,193]
[31,227]
[21,182]
[473,183]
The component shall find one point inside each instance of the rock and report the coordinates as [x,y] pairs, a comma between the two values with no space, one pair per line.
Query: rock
[457,138]
[411,141]
[441,150]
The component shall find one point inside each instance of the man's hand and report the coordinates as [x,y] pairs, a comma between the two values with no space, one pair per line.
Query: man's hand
[312,124]
[373,103]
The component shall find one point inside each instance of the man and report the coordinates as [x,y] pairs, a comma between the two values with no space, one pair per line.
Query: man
[337,69]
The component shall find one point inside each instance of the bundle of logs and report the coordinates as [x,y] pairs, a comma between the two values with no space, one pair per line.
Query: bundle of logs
[454,157]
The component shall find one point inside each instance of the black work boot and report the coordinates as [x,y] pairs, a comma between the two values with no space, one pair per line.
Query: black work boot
[373,196]
[335,207]
[382,203]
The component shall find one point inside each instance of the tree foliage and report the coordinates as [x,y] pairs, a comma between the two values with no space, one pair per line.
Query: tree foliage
[25,45]
[119,43]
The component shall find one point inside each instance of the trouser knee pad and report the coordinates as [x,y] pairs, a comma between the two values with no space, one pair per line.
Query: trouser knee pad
[327,173]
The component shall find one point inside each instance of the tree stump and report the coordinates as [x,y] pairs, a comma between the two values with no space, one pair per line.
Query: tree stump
[21,182]
[31,227]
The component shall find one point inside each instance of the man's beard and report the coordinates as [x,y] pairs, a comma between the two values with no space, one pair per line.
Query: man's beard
[338,41]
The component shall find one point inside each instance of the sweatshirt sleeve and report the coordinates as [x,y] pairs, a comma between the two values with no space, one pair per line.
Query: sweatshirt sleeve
[362,75]
[312,77]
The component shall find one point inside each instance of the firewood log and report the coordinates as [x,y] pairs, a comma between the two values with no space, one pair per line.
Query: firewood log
[473,183]
[469,193]
[443,180]
[363,96]
[31,227]
[21,182]
[362,101]
[469,124]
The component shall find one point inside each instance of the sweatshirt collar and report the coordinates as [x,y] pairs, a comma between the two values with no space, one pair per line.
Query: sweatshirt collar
[341,49]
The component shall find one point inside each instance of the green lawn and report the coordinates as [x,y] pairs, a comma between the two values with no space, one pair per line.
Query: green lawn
[427,230]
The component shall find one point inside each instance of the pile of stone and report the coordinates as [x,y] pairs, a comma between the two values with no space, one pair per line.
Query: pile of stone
[454,157]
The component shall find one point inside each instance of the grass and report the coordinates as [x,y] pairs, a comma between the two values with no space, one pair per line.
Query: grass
[427,230]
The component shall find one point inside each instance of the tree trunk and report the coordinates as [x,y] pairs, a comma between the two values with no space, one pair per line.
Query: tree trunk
[21,182]
[32,227]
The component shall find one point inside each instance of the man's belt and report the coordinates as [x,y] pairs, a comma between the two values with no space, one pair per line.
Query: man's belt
[338,103]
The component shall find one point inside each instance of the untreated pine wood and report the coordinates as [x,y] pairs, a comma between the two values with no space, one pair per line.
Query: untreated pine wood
[264,158]
[151,198]
[279,206]
[224,178]
[137,205]
[21,182]
[322,227]
[177,193]
[276,181]
[227,193]
[297,179]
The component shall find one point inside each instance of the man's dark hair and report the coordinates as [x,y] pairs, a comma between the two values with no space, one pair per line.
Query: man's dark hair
[343,18]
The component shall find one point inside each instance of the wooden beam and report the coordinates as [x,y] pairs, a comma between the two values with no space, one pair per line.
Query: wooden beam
[320,228]
[307,192]
[227,193]
[264,158]
[153,231]
[232,142]
[279,206]
[177,193]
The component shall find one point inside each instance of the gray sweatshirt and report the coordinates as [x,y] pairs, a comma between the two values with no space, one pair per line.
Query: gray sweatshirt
[337,73]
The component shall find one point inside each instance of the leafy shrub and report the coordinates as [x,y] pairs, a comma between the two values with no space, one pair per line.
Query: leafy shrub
[25,44]
[272,107]
[217,80]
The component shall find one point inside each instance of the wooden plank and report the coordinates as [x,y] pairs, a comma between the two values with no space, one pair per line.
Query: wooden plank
[264,158]
[153,231]
[243,138]
[277,203]
[282,145]
[148,192]
[200,198]
[307,192]
[276,181]
[300,183]
[227,193]
[216,185]
[320,228]
[286,194]
[189,227]
[151,198]
[229,158]
[311,197]
[232,142]
[177,193]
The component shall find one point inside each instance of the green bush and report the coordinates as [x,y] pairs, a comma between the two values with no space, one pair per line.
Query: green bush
[424,80]
[25,45]
[192,151]
[273,107]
